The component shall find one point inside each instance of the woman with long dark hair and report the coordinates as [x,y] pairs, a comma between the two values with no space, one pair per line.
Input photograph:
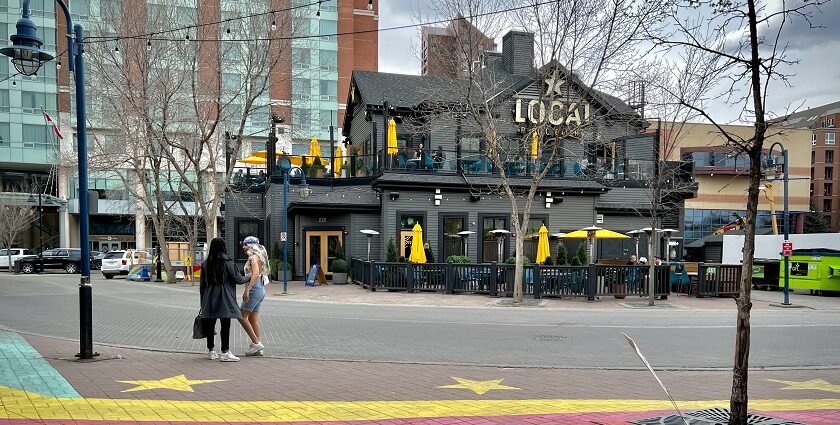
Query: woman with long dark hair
[219,278]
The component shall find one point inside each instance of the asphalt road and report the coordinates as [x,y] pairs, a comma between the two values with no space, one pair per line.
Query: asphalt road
[157,317]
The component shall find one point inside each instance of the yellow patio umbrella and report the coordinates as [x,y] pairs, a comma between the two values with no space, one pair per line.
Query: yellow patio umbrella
[392,137]
[339,160]
[542,246]
[255,160]
[535,140]
[418,254]
[594,232]
[314,150]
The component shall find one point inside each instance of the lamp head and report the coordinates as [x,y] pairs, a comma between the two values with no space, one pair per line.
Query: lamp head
[25,50]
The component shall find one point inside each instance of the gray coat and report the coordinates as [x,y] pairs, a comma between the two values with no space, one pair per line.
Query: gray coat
[219,301]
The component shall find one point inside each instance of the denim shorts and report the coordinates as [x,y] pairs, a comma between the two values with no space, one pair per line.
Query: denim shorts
[255,298]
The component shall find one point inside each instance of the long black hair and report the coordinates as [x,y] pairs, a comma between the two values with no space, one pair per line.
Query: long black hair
[213,269]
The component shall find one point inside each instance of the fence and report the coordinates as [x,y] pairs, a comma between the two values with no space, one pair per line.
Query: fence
[718,280]
[590,282]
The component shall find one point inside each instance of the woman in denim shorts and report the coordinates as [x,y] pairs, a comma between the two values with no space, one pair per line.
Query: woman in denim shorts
[254,293]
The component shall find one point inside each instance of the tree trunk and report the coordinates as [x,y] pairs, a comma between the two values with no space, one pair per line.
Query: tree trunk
[518,274]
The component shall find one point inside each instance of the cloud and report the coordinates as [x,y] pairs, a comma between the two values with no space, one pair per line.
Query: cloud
[399,49]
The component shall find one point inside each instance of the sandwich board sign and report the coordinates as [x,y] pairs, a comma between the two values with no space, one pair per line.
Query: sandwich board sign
[316,273]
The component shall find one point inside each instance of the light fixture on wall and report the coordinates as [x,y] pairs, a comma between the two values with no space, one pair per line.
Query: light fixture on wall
[394,196]
[438,197]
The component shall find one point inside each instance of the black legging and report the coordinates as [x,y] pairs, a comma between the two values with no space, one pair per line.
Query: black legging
[224,333]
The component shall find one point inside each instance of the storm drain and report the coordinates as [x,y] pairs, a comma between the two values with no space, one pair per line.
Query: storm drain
[551,338]
[713,416]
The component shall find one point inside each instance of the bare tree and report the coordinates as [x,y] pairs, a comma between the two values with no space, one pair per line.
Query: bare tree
[740,50]
[14,219]
[581,47]
[168,83]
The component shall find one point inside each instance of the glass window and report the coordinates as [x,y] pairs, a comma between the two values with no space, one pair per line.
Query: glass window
[329,88]
[407,222]
[827,189]
[829,138]
[80,9]
[452,243]
[826,205]
[829,157]
[231,83]
[532,237]
[829,173]
[4,98]
[35,136]
[329,59]
[328,118]
[328,29]
[301,58]
[301,86]
[4,134]
[490,246]
[245,228]
[31,102]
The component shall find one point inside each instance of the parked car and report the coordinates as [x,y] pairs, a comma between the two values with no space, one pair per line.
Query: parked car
[67,259]
[120,263]
[96,259]
[16,253]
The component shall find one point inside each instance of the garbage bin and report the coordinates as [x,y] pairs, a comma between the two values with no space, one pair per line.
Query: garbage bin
[765,274]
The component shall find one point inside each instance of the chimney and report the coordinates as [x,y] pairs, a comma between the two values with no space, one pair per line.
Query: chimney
[518,52]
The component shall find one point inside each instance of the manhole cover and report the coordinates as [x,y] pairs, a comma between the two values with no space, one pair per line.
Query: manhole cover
[551,338]
[713,416]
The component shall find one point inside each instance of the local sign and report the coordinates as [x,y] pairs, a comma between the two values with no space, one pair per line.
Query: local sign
[538,111]
[787,248]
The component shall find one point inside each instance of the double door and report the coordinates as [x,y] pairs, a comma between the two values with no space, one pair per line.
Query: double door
[321,246]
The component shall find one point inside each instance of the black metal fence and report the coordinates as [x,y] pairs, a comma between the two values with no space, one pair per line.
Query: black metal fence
[718,280]
[590,282]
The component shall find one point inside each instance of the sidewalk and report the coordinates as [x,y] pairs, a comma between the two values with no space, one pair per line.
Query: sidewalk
[130,386]
[355,294]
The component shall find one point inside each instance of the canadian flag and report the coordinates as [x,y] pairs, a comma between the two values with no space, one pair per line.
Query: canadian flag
[54,126]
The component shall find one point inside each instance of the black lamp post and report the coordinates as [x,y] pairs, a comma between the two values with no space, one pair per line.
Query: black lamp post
[786,219]
[28,57]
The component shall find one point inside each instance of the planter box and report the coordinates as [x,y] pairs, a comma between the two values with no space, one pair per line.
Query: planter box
[339,278]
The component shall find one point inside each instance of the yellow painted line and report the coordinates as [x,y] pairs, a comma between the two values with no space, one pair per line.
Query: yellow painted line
[17,404]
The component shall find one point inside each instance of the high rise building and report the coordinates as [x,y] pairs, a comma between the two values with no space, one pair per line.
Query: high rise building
[450,51]
[314,67]
[823,123]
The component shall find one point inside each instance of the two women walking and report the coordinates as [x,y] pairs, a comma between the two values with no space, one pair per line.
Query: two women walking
[217,289]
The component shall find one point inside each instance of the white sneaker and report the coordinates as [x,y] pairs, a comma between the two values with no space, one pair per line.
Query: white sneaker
[227,356]
[213,355]
[254,349]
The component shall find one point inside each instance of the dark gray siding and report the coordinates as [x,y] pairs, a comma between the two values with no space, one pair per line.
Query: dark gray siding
[518,52]
[640,147]
[356,242]
[239,206]
[574,213]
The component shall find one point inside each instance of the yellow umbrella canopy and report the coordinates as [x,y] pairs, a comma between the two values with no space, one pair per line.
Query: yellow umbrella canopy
[542,245]
[535,140]
[595,232]
[392,137]
[418,255]
[254,159]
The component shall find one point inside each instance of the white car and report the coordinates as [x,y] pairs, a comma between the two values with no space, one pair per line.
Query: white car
[16,254]
[121,262]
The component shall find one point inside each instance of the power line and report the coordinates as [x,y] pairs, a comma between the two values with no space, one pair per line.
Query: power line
[338,34]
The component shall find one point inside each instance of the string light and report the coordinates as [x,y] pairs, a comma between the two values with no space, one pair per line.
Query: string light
[149,45]
[370,4]
[58,65]
[187,39]
[274,25]
[117,48]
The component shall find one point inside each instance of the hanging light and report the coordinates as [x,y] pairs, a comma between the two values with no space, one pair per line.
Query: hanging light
[149,45]
[274,25]
[117,48]
[227,31]
[58,65]
[25,50]
[187,39]
[370,4]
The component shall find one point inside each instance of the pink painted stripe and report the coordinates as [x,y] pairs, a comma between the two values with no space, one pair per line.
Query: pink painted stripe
[813,417]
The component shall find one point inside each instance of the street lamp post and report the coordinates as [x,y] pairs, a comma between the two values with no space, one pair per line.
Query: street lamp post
[786,219]
[28,57]
[303,191]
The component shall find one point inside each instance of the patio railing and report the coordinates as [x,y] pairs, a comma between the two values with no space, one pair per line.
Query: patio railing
[590,282]
[718,280]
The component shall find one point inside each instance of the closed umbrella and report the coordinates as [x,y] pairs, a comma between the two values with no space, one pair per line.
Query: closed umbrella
[594,232]
[392,137]
[535,140]
[339,161]
[314,150]
[542,246]
[418,254]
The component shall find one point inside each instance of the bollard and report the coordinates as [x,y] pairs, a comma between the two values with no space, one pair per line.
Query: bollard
[537,281]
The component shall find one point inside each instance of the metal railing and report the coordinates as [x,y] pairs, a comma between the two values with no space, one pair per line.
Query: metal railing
[718,280]
[590,282]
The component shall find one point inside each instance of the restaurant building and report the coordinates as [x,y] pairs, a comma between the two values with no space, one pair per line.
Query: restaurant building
[439,174]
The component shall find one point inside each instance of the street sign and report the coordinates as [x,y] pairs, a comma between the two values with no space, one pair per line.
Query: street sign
[282,236]
[787,248]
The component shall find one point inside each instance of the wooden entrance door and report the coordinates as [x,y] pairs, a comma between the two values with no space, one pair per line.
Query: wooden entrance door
[320,248]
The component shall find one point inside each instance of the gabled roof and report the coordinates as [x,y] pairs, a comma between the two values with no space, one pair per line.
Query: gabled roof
[804,119]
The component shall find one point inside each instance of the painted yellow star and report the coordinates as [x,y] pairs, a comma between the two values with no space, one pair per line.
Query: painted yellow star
[175,383]
[814,384]
[479,387]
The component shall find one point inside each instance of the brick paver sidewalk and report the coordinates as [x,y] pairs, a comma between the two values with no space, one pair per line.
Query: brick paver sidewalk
[134,386]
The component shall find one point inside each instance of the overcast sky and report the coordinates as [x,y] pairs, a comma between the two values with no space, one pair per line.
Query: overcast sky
[817,79]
